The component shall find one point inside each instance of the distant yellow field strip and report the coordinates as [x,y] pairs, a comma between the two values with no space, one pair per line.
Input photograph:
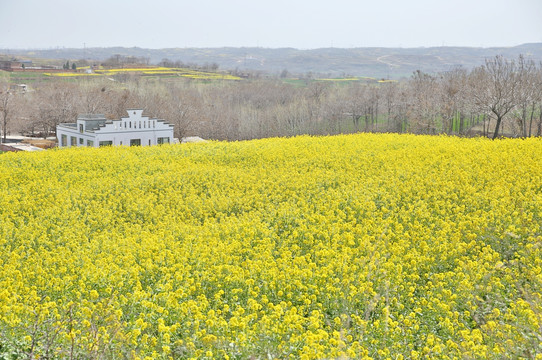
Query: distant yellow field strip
[189,73]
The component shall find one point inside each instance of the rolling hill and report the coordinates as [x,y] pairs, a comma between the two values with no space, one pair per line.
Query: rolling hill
[376,62]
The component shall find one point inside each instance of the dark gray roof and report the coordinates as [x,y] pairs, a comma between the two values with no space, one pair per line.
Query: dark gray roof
[91,117]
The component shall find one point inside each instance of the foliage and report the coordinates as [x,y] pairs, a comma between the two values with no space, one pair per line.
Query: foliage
[354,246]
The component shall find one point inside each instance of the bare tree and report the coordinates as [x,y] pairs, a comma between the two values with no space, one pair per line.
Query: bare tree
[118,101]
[354,103]
[56,103]
[452,99]
[373,102]
[423,107]
[182,110]
[528,95]
[93,97]
[316,94]
[538,84]
[6,102]
[389,92]
[495,87]
[401,105]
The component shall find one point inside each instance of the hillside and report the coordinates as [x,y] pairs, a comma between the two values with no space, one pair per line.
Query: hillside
[360,246]
[375,62]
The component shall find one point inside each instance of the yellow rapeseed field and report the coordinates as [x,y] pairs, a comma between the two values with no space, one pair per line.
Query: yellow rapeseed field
[155,71]
[358,246]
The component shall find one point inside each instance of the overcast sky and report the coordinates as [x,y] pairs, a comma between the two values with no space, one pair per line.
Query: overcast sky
[302,24]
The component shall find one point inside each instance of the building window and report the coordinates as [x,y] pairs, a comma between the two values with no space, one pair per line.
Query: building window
[163,140]
[81,128]
[149,142]
[81,141]
[140,124]
[90,143]
[130,124]
[73,141]
[64,140]
[106,143]
[135,142]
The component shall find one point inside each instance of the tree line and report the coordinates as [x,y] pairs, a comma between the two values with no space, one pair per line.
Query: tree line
[500,98]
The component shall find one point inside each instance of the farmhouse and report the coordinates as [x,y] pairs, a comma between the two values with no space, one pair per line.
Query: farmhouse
[10,65]
[95,130]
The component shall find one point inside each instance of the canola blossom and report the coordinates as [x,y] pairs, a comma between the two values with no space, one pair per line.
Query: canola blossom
[151,71]
[355,246]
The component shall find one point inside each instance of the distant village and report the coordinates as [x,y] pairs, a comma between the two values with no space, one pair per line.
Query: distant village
[27,66]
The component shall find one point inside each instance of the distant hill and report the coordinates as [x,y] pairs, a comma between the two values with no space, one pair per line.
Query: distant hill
[336,62]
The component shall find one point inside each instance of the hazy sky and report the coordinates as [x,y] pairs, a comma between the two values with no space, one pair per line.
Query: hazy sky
[302,24]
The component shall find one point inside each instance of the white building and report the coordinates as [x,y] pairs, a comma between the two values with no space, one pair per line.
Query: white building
[96,130]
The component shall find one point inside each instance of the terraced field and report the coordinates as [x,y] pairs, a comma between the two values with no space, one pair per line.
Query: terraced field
[149,71]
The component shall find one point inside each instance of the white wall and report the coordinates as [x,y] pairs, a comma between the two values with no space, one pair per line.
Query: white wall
[122,131]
